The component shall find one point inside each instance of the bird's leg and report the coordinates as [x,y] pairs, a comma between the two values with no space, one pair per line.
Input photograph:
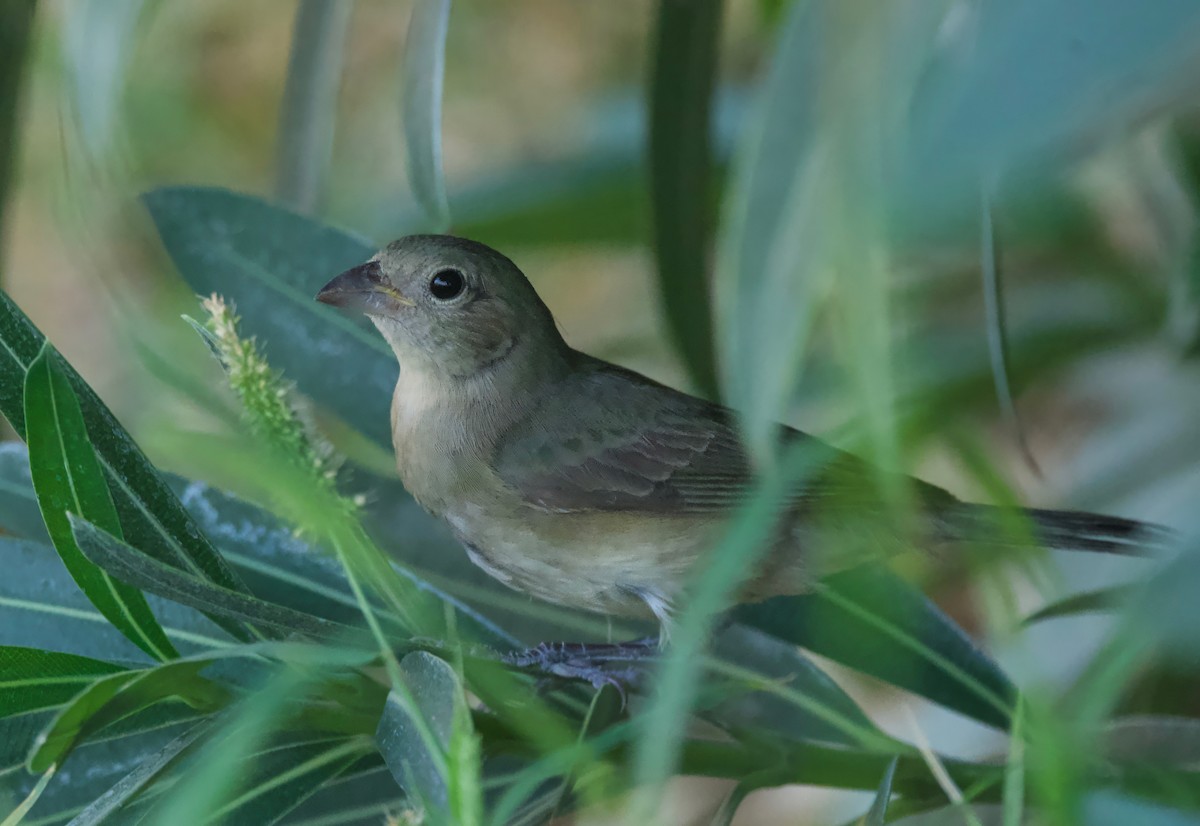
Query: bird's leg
[600,664]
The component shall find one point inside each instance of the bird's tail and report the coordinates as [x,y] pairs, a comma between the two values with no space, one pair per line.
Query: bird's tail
[1061,530]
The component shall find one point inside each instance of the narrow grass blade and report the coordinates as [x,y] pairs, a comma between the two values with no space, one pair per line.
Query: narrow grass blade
[715,586]
[873,621]
[96,764]
[135,568]
[32,679]
[217,767]
[282,779]
[116,696]
[103,808]
[18,814]
[308,113]
[98,43]
[1102,600]
[68,480]
[681,90]
[421,107]
[877,814]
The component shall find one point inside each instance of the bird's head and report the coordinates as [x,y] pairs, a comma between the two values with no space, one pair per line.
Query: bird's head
[447,305]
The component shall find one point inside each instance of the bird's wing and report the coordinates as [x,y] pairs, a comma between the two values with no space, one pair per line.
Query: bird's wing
[608,439]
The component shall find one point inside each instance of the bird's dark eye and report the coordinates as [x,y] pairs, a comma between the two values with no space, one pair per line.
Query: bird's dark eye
[446,284]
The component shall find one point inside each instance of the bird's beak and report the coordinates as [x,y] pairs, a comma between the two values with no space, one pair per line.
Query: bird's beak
[363,288]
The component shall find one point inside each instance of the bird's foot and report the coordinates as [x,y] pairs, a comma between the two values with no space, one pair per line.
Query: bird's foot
[600,664]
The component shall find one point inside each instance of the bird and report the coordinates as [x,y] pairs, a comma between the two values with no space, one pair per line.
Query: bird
[589,485]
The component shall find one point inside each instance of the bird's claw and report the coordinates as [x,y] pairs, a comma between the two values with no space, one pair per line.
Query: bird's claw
[592,663]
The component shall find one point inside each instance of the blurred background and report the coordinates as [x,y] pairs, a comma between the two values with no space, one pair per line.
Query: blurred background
[545,155]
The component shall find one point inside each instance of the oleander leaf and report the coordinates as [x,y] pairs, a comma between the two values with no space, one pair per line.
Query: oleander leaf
[68,480]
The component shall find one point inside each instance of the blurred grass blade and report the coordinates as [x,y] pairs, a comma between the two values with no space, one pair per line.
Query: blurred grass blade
[770,256]
[733,801]
[16,34]
[135,568]
[416,728]
[151,516]
[116,696]
[835,767]
[104,808]
[96,765]
[98,43]
[68,480]
[1101,600]
[873,621]
[681,90]
[877,814]
[281,779]
[17,815]
[217,767]
[712,590]
[421,107]
[1161,740]
[308,113]
[270,262]
[997,326]
[782,692]
[32,679]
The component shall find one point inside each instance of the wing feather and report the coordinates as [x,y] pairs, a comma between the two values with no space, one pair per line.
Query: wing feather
[609,439]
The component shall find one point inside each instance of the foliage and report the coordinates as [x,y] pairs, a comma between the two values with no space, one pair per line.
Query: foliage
[171,652]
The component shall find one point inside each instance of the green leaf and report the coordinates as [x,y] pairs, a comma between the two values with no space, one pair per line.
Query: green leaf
[1111,808]
[282,779]
[32,679]
[798,700]
[1015,90]
[308,113]
[872,621]
[19,512]
[1164,615]
[216,770]
[1101,600]
[108,804]
[279,566]
[44,608]
[416,728]
[18,814]
[95,765]
[362,796]
[135,568]
[68,480]
[421,104]
[116,696]
[1161,739]
[877,814]
[681,91]
[270,263]
[98,43]
[151,516]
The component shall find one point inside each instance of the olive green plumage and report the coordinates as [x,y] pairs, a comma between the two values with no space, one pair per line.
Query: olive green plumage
[590,485]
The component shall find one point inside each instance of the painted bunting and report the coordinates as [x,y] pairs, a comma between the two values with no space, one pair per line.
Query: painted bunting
[592,486]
